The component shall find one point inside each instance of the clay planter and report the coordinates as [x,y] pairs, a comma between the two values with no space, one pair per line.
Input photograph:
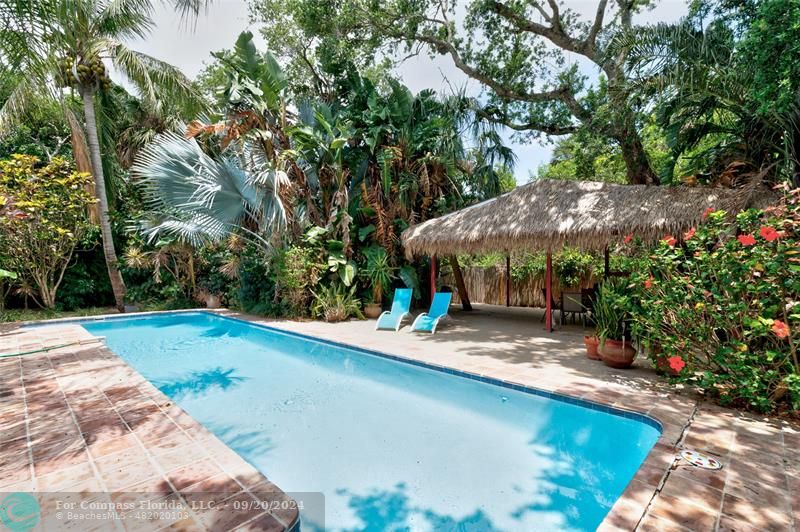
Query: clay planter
[592,343]
[372,311]
[213,301]
[616,354]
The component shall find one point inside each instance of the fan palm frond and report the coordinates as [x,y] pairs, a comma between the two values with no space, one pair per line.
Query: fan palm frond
[204,199]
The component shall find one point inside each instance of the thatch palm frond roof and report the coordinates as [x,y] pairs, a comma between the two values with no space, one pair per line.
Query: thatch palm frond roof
[550,214]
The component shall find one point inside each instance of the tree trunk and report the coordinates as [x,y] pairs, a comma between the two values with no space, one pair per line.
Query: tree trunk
[80,152]
[460,285]
[637,165]
[117,284]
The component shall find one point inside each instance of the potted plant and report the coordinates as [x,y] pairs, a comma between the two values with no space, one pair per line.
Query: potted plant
[378,274]
[611,315]
[592,343]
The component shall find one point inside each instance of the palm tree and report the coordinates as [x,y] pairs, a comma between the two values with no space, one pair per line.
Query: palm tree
[702,89]
[65,44]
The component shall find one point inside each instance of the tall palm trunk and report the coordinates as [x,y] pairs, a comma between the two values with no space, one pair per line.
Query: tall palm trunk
[117,284]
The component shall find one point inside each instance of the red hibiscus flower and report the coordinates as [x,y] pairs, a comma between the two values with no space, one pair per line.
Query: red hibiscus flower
[780,329]
[628,239]
[769,233]
[746,240]
[669,240]
[648,283]
[707,212]
[676,363]
[689,234]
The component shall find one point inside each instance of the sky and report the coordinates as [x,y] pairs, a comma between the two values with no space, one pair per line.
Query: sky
[189,48]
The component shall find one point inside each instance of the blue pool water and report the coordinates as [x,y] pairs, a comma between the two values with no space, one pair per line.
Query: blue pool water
[391,445]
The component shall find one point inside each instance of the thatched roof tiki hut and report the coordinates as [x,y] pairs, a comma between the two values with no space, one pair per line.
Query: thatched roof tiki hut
[547,215]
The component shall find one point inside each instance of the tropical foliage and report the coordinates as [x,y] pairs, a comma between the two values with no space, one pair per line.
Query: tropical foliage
[50,219]
[327,179]
[63,44]
[721,306]
[280,181]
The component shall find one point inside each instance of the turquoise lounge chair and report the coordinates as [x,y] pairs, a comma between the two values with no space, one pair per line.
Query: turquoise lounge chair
[400,309]
[428,321]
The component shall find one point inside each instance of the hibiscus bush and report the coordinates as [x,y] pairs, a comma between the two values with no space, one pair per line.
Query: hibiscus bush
[718,307]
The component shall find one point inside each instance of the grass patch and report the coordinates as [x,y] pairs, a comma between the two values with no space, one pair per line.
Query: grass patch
[14,315]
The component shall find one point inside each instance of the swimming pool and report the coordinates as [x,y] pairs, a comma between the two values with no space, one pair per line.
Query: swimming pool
[390,444]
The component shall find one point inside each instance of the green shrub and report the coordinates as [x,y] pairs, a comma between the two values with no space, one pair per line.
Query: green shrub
[336,303]
[49,220]
[721,306]
[86,282]
[611,310]
[295,271]
[256,293]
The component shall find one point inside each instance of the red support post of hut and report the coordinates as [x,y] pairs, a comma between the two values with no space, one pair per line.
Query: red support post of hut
[433,276]
[508,280]
[548,289]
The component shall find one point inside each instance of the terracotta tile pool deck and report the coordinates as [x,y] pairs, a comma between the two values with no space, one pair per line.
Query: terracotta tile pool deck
[79,420]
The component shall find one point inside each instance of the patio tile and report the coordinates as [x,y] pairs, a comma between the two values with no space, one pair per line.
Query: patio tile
[715,479]
[103,447]
[178,457]
[186,525]
[269,493]
[650,475]
[229,515]
[149,521]
[726,524]
[120,460]
[192,474]
[692,492]
[263,523]
[675,511]
[54,425]
[152,489]
[653,524]
[761,517]
[15,472]
[152,427]
[66,478]
[53,455]
[216,489]
[121,478]
[13,430]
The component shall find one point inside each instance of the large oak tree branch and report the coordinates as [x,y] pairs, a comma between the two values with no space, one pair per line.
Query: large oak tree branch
[499,88]
[549,129]
[555,32]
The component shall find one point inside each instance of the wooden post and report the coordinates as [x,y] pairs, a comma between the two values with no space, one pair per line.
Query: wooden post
[548,293]
[508,280]
[607,268]
[460,285]
[433,276]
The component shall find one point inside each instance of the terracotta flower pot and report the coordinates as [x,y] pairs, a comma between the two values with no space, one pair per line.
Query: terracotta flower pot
[372,311]
[592,343]
[616,353]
